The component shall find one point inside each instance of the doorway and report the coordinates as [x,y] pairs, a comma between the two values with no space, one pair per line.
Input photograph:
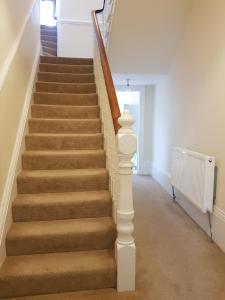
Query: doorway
[48,12]
[131,100]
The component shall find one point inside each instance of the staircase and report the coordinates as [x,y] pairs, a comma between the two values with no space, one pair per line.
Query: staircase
[49,40]
[63,235]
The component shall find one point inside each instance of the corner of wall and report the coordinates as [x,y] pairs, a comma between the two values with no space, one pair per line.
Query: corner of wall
[162,177]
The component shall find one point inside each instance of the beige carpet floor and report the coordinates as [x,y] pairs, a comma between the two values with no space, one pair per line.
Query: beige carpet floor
[175,259]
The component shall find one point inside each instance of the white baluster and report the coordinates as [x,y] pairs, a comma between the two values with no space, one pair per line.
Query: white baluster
[125,246]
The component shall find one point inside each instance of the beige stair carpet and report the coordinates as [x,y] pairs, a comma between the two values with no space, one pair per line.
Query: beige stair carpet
[63,234]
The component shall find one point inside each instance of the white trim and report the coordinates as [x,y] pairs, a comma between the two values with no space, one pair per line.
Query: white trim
[12,52]
[218,227]
[11,177]
[75,22]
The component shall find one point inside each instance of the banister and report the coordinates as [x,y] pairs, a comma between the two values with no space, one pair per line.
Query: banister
[113,102]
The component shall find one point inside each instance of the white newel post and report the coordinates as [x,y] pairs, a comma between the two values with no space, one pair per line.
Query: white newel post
[125,245]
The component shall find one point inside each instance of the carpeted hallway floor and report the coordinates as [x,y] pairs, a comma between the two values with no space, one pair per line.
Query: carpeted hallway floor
[175,260]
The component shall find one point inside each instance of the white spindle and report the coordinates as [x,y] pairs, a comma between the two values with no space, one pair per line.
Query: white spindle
[125,245]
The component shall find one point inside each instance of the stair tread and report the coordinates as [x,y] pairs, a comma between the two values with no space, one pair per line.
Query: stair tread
[67,60]
[47,265]
[67,120]
[61,206]
[49,48]
[48,54]
[64,141]
[64,134]
[74,197]
[21,230]
[65,73]
[70,112]
[102,294]
[61,106]
[44,36]
[67,83]
[60,173]
[68,94]
[65,65]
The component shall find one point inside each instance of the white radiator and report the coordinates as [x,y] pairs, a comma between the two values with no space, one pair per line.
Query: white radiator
[192,174]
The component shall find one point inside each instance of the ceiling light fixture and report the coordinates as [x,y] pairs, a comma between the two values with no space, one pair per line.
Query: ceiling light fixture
[128,89]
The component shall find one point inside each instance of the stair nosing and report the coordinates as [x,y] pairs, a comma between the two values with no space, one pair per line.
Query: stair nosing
[108,220]
[63,120]
[60,172]
[65,73]
[64,106]
[46,63]
[58,152]
[66,83]
[70,94]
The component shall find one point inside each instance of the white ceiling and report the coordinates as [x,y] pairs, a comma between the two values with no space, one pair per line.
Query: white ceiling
[144,35]
[136,79]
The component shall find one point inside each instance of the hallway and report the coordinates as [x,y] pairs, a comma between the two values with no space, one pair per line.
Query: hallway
[175,260]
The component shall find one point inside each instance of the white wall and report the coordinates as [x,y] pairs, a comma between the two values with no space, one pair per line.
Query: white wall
[75,31]
[20,46]
[190,103]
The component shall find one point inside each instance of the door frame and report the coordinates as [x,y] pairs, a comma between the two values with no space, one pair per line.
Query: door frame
[140,150]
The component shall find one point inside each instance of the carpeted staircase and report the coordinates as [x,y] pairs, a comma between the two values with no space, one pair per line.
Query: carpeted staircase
[49,40]
[63,235]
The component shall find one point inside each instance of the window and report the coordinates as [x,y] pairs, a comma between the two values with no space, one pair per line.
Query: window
[47,13]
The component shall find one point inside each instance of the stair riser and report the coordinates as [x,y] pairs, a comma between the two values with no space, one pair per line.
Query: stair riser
[49,50]
[67,78]
[62,126]
[49,32]
[49,38]
[65,68]
[61,243]
[61,211]
[57,283]
[64,143]
[66,61]
[46,27]
[65,99]
[55,112]
[58,162]
[49,44]
[65,88]
[61,184]
[47,54]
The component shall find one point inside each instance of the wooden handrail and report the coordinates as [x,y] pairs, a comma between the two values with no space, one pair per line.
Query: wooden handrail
[113,102]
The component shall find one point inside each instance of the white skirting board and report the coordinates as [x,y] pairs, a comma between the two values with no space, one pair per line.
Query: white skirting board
[218,217]
[218,227]
[10,189]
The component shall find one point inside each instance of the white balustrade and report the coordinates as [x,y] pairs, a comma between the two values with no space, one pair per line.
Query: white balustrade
[119,150]
[125,245]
